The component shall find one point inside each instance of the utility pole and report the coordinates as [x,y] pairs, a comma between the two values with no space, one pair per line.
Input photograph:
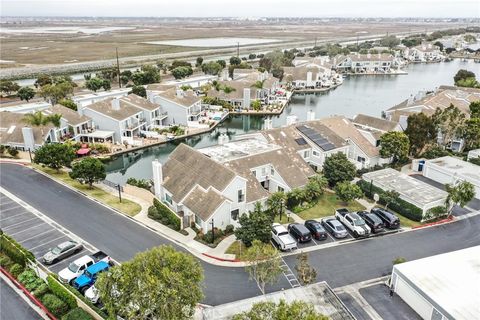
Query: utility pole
[213,232]
[238,49]
[118,70]
[315,45]
[119,187]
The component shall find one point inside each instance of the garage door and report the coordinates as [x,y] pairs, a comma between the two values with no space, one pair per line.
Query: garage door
[413,298]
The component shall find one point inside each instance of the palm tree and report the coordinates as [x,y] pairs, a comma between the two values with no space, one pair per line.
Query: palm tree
[38,119]
[258,84]
[276,203]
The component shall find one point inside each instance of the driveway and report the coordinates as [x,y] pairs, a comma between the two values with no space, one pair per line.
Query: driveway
[13,307]
[122,238]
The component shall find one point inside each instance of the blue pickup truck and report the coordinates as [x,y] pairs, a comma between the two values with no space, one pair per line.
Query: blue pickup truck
[88,278]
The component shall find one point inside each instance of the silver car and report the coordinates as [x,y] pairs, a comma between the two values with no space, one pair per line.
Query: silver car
[62,251]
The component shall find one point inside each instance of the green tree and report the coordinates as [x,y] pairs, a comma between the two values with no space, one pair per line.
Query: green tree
[39,119]
[459,194]
[450,122]
[295,197]
[94,84]
[471,134]
[42,80]
[8,86]
[282,311]
[252,56]
[347,191]
[68,103]
[256,105]
[394,145]
[254,226]
[463,74]
[306,273]
[276,203]
[54,155]
[338,168]
[56,92]
[474,109]
[420,131]
[389,196]
[26,93]
[179,63]
[212,68]
[315,187]
[199,62]
[222,63]
[88,170]
[139,91]
[182,72]
[160,283]
[389,41]
[263,264]
[234,61]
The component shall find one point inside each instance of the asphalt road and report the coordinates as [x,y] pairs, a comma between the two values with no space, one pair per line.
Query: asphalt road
[122,238]
[13,307]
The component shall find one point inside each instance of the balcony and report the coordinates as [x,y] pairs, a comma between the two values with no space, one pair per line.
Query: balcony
[135,124]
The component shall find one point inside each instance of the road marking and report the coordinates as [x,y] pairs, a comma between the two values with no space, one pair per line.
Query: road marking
[15,215]
[21,231]
[289,275]
[18,223]
[314,241]
[14,207]
[44,243]
[328,234]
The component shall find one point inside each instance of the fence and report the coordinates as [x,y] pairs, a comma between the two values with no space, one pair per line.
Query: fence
[113,185]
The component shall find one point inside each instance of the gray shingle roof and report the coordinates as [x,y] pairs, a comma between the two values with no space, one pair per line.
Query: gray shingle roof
[374,122]
[203,202]
[11,125]
[71,116]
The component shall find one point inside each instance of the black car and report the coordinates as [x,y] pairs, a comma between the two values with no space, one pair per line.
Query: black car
[316,229]
[372,220]
[390,220]
[299,232]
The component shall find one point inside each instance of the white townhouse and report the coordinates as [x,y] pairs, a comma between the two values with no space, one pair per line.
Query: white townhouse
[426,52]
[181,107]
[371,63]
[309,77]
[152,113]
[82,100]
[372,128]
[222,182]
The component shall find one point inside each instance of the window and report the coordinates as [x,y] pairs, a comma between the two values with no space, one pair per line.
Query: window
[280,189]
[234,214]
[361,159]
[168,198]
[254,173]
[306,154]
[272,171]
[315,153]
[264,172]
[198,221]
[241,196]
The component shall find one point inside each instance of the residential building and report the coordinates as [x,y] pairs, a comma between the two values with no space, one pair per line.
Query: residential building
[310,77]
[118,115]
[181,107]
[414,191]
[16,133]
[221,182]
[195,81]
[152,113]
[372,128]
[363,152]
[426,52]
[440,287]
[27,107]
[453,170]
[371,63]
[83,100]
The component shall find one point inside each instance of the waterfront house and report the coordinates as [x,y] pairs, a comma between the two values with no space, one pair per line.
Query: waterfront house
[219,183]
[309,77]
[82,100]
[371,63]
[16,133]
[195,81]
[119,115]
[181,107]
[426,52]
[152,113]
[372,128]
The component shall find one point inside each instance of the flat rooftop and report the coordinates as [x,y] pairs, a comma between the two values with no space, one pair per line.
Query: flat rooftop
[238,149]
[450,280]
[318,294]
[410,188]
[457,166]
[189,79]
[86,96]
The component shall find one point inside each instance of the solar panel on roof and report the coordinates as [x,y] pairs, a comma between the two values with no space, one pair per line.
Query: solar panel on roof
[316,138]
[328,146]
[301,141]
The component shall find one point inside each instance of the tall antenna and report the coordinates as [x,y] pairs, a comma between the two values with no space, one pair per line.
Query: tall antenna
[118,69]
[238,49]
[315,42]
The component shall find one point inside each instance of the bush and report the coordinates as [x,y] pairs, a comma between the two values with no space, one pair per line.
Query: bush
[2,148]
[229,229]
[140,183]
[164,215]
[14,251]
[27,277]
[13,152]
[76,293]
[5,261]
[54,304]
[16,269]
[400,206]
[77,314]
[41,290]
[61,292]
[208,237]
[399,260]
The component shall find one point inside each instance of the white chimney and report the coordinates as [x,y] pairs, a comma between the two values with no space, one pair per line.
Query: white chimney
[223,138]
[116,103]
[224,75]
[28,139]
[179,92]
[309,78]
[246,98]
[291,120]
[310,115]
[157,178]
[267,124]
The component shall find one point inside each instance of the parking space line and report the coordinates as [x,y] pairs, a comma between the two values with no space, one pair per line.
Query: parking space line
[314,241]
[19,223]
[328,234]
[15,215]
[34,226]
[44,243]
[289,275]
[38,234]
[14,207]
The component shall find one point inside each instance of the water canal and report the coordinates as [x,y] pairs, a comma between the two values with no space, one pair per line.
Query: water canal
[358,94]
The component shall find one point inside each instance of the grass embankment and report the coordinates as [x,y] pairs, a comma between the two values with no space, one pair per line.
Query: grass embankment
[326,205]
[238,249]
[126,206]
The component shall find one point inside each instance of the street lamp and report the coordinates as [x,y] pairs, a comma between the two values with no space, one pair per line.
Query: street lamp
[213,231]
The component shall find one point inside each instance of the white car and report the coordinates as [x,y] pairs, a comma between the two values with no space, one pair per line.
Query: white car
[282,238]
[92,294]
[353,221]
[78,267]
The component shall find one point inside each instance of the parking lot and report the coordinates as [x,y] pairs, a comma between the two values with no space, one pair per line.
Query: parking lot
[35,232]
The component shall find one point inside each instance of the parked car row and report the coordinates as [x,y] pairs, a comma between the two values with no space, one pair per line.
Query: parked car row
[360,224]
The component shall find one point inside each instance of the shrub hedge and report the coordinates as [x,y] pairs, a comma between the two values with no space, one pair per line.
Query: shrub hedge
[54,304]
[61,292]
[15,251]
[41,290]
[164,215]
[5,261]
[87,302]
[77,314]
[400,206]
[15,270]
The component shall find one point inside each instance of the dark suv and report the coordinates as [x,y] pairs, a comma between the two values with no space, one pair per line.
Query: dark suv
[390,220]
[316,229]
[372,220]
[299,232]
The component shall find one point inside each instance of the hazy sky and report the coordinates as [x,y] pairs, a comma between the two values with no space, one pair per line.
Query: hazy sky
[243,8]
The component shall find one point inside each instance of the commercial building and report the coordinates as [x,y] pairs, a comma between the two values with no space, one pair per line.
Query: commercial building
[416,192]
[441,287]
[453,170]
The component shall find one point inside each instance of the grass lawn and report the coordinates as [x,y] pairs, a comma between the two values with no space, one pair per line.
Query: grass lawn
[284,219]
[237,248]
[326,206]
[126,206]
